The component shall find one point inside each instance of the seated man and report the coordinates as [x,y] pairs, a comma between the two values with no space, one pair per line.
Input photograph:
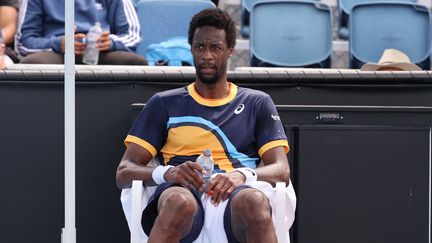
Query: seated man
[41,32]
[8,24]
[241,127]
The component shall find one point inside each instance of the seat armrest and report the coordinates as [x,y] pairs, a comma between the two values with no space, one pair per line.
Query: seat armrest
[280,212]
[136,211]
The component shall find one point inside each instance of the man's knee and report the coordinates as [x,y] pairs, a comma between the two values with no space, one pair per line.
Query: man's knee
[252,205]
[177,203]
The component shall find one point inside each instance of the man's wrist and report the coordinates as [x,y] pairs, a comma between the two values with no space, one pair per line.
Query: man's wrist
[248,173]
[158,173]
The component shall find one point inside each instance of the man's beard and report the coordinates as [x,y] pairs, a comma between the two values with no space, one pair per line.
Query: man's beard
[209,79]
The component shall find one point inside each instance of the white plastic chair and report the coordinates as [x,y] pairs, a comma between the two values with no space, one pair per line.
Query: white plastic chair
[279,212]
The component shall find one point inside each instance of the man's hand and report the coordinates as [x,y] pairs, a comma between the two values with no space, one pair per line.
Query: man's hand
[104,42]
[79,46]
[188,174]
[221,187]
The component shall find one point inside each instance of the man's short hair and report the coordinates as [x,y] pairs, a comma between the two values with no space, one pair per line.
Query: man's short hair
[216,18]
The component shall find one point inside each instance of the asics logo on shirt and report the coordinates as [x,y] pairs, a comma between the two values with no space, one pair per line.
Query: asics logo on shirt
[275,117]
[239,109]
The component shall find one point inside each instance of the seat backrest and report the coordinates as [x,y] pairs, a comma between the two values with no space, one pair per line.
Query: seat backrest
[246,6]
[163,19]
[291,34]
[345,7]
[375,27]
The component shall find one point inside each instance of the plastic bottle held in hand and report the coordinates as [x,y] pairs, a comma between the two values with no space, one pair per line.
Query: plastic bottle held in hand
[91,53]
[206,161]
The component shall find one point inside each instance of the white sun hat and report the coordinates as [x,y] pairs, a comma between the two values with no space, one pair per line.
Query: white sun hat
[391,59]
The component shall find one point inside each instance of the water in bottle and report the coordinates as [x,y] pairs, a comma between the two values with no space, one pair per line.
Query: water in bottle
[91,53]
[206,161]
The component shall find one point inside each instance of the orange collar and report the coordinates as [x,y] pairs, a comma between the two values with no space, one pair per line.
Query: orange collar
[212,102]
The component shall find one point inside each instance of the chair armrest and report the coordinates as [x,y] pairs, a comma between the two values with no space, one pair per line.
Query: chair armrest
[136,211]
[280,212]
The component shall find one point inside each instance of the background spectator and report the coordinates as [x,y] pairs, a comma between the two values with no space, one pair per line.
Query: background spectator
[40,36]
[8,24]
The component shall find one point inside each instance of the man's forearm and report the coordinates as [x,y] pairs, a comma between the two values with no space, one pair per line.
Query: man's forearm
[129,171]
[273,173]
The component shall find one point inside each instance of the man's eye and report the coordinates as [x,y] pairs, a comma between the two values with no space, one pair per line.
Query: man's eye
[199,47]
[216,48]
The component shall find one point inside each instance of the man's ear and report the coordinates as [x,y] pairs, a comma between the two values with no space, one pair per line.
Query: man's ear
[231,52]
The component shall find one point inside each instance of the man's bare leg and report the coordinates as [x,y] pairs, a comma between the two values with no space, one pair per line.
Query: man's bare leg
[250,217]
[177,207]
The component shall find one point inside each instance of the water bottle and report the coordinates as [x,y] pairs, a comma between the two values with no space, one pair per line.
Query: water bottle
[206,161]
[91,53]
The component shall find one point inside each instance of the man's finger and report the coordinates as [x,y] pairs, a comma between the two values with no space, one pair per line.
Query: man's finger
[187,177]
[217,193]
[103,46]
[196,166]
[196,179]
[228,193]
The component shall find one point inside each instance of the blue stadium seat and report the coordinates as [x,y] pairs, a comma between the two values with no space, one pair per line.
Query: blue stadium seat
[246,6]
[163,19]
[345,7]
[375,27]
[288,33]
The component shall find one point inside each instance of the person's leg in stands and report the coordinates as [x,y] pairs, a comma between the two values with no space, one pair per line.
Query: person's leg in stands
[43,58]
[251,217]
[121,58]
[176,210]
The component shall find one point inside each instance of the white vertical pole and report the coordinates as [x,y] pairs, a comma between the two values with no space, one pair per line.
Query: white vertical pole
[69,231]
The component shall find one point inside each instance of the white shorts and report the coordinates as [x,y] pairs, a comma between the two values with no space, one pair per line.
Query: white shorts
[214,216]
